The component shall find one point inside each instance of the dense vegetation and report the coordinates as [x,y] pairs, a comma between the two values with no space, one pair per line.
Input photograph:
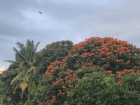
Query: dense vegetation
[97,71]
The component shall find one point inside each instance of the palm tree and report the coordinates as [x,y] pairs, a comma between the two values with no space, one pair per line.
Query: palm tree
[25,59]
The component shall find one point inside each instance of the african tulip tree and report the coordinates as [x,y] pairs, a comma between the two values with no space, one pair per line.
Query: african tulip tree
[108,54]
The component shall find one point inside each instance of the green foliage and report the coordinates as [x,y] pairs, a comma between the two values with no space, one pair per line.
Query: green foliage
[136,63]
[7,92]
[52,52]
[36,97]
[85,73]
[107,53]
[100,89]
[21,69]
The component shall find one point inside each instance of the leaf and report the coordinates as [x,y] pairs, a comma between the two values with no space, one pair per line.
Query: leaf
[23,86]
[31,69]
[17,77]
[31,86]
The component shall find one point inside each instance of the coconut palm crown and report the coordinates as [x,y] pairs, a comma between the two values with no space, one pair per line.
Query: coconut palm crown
[25,59]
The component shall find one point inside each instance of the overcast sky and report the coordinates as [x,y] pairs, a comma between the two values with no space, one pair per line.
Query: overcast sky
[72,20]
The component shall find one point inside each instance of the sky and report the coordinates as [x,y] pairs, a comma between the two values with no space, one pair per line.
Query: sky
[73,20]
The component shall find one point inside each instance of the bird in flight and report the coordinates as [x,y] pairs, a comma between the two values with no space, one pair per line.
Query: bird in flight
[40,12]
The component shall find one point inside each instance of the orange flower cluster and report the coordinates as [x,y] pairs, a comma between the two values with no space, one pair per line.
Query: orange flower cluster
[80,103]
[50,102]
[61,92]
[121,82]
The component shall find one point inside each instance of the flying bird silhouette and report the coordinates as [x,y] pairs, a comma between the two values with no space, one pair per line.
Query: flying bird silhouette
[40,12]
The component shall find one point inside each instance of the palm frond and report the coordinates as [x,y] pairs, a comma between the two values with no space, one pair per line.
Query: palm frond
[32,68]
[21,46]
[23,86]
[29,48]
[32,86]
[16,51]
[18,77]
[22,50]
[23,57]
[15,87]
[11,61]
[36,46]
